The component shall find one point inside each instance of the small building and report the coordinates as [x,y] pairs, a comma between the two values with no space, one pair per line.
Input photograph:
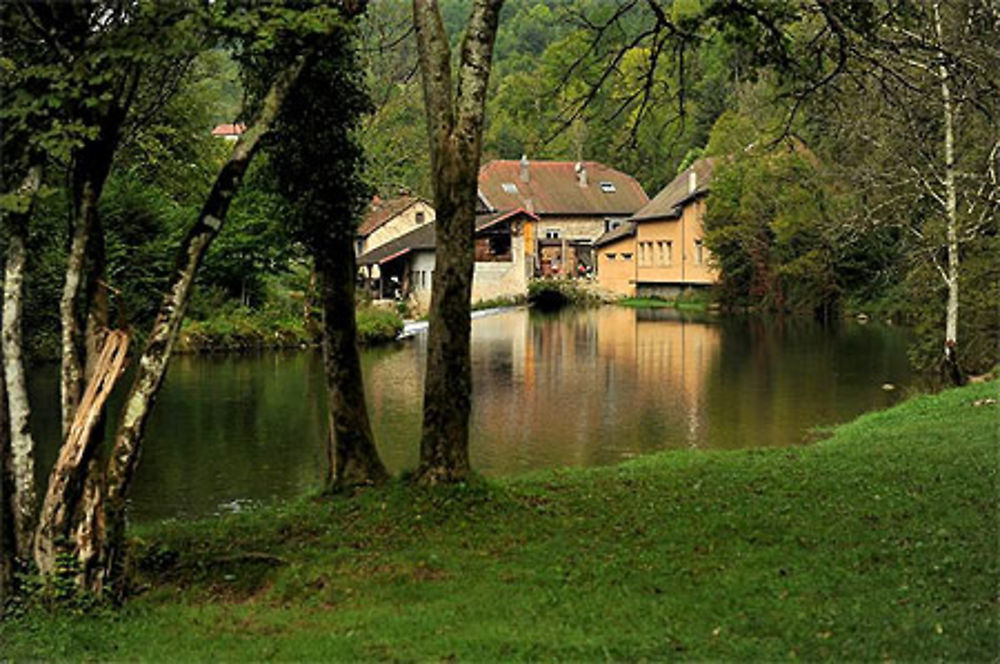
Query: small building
[660,251]
[574,202]
[402,269]
[388,219]
[230,132]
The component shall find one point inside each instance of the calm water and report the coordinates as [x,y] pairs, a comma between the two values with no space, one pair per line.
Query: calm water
[578,388]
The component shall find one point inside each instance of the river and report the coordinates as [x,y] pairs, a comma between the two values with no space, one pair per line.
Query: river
[575,388]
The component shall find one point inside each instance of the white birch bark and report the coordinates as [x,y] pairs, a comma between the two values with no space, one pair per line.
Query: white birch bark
[22,444]
[951,196]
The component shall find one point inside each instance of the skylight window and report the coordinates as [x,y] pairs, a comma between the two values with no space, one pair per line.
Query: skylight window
[509,188]
[608,187]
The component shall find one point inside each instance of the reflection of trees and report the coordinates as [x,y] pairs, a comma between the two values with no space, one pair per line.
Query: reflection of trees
[777,377]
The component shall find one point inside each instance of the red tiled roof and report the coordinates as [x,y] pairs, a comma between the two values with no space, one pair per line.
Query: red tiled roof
[670,201]
[229,130]
[381,211]
[553,187]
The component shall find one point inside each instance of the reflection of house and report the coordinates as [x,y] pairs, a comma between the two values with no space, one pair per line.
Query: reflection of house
[403,268]
[386,220]
[660,251]
[575,203]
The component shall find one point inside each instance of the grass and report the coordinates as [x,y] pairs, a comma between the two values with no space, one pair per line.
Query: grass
[690,300]
[244,329]
[878,543]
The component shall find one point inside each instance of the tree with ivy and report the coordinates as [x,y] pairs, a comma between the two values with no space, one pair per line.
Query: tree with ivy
[318,164]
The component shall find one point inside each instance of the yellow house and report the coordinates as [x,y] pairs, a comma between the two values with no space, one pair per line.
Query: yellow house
[660,249]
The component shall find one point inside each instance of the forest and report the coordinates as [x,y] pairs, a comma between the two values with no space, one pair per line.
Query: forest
[860,174]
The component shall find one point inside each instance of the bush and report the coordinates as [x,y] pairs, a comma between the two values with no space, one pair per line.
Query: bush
[555,293]
[378,325]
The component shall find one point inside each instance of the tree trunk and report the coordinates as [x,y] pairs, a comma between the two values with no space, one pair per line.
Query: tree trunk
[68,481]
[22,445]
[354,458]
[153,363]
[454,129]
[952,368]
[8,540]
[83,306]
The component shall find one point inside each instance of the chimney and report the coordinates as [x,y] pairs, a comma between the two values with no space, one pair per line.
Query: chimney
[581,173]
[692,181]
[525,176]
[529,205]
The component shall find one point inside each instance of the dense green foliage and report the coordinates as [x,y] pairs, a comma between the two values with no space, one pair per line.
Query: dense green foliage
[877,543]
[820,217]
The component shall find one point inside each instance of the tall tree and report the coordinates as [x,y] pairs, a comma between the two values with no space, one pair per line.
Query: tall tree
[22,445]
[919,141]
[318,163]
[152,364]
[8,546]
[455,110]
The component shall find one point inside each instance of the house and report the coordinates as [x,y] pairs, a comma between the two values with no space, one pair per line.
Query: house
[660,250]
[403,268]
[230,132]
[386,220]
[575,203]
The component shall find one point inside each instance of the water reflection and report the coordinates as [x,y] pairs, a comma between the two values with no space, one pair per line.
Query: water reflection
[575,388]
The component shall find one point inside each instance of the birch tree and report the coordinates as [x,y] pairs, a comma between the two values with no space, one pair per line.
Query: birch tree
[455,108]
[924,115]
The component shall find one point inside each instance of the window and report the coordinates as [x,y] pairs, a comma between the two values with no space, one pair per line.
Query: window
[611,257]
[499,245]
[666,252]
[614,224]
[420,218]
[509,188]
[608,187]
[626,257]
[551,233]
[699,254]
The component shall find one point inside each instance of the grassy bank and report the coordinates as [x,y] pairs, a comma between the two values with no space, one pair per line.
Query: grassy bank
[690,301]
[245,329]
[878,543]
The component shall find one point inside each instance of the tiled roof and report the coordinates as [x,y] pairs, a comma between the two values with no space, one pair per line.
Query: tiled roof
[672,198]
[229,130]
[424,237]
[627,229]
[381,211]
[553,187]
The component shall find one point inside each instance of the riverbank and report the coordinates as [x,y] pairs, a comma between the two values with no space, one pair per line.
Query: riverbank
[247,330]
[877,543]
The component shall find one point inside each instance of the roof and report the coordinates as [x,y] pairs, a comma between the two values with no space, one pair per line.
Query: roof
[627,229]
[424,238]
[553,188]
[229,130]
[381,211]
[671,200]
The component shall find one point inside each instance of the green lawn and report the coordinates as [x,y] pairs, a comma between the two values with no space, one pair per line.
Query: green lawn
[880,543]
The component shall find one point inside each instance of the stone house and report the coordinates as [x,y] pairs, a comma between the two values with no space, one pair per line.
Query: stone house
[574,203]
[660,250]
[403,268]
[388,219]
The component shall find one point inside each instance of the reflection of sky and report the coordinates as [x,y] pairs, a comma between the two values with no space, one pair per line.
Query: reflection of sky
[577,388]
